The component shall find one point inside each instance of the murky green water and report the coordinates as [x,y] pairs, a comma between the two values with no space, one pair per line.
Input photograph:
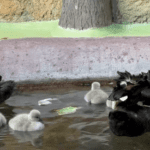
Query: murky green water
[87,129]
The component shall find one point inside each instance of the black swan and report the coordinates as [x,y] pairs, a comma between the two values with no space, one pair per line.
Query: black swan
[133,120]
[116,95]
[129,96]
[139,93]
[129,78]
[6,90]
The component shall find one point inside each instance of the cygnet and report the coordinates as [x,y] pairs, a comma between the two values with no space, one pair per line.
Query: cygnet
[96,95]
[27,122]
[3,120]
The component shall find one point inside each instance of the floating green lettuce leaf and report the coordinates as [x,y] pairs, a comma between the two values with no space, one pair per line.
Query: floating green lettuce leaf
[67,110]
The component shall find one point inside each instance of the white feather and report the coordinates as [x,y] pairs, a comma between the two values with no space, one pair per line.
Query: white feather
[124,98]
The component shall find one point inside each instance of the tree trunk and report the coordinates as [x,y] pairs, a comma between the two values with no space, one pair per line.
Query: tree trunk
[116,15]
[84,14]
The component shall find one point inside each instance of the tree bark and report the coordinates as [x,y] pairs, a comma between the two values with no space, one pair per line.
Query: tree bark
[84,14]
[116,15]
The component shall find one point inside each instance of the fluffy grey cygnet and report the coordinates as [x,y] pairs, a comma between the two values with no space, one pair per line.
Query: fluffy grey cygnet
[96,95]
[27,122]
[3,120]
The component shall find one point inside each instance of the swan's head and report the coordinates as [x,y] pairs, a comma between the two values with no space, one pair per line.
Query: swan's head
[35,115]
[130,79]
[95,85]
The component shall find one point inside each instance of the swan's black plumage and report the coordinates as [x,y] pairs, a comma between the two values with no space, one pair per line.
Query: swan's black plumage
[139,92]
[130,119]
[124,83]
[118,92]
[127,77]
[133,120]
[6,90]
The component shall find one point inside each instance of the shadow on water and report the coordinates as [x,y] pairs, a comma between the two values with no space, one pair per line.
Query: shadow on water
[86,129]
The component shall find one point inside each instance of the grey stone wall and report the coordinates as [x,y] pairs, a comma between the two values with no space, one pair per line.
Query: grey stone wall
[72,58]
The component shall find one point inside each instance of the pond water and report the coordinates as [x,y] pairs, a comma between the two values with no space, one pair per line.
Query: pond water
[86,129]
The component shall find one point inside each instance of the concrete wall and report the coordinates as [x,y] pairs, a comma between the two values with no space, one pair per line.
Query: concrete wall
[70,58]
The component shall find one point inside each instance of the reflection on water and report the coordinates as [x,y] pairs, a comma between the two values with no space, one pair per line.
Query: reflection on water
[92,130]
[34,137]
[87,129]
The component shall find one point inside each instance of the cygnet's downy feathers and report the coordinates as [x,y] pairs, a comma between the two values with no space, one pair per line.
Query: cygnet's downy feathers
[27,122]
[3,120]
[96,95]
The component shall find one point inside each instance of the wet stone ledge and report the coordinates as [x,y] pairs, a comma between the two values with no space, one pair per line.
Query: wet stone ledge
[31,86]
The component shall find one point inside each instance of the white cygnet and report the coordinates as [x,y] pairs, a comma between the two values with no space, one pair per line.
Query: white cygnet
[27,122]
[3,120]
[96,95]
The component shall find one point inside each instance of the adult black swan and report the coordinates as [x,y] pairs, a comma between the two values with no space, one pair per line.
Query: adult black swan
[130,119]
[6,90]
[140,91]
[124,90]
[133,120]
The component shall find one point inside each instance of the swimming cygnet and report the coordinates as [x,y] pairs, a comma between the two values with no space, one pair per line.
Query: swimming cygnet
[3,120]
[96,95]
[27,122]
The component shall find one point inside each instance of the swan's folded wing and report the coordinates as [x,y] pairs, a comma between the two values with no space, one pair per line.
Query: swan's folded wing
[146,93]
